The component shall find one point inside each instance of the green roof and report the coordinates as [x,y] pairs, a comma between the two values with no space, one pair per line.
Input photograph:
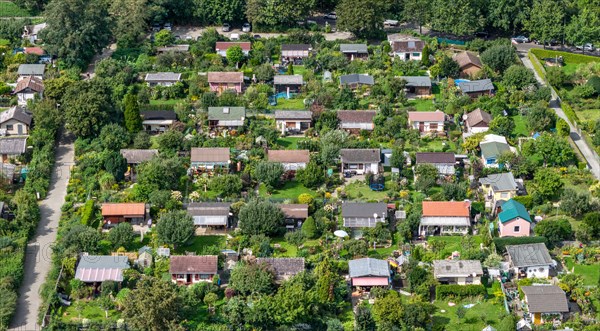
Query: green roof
[512,209]
[493,149]
[226,113]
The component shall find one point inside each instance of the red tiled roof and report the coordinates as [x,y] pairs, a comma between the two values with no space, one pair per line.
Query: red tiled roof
[465,58]
[225,77]
[122,209]
[31,82]
[446,208]
[34,50]
[426,116]
[224,45]
[184,264]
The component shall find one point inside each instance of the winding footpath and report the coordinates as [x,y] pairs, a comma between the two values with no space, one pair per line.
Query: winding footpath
[39,250]
[590,156]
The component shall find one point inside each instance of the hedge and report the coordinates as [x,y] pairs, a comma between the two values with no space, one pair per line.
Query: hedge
[567,57]
[501,243]
[537,66]
[458,291]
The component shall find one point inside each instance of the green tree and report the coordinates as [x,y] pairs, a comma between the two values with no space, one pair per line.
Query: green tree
[356,248]
[389,309]
[130,19]
[585,27]
[235,54]
[170,141]
[518,77]
[331,143]
[454,191]
[121,235]
[115,164]
[591,221]
[252,278]
[277,12]
[509,15]
[81,238]
[540,118]
[55,88]
[164,38]
[87,107]
[418,314]
[461,17]
[547,182]
[106,303]
[210,299]
[364,319]
[153,305]
[556,76]
[113,137]
[562,127]
[418,12]
[227,185]
[297,301]
[425,61]
[309,228]
[546,20]
[555,229]
[269,173]
[576,203]
[264,72]
[88,30]
[175,227]
[502,125]
[364,18]
[261,217]
[312,176]
[427,175]
[161,173]
[499,57]
[445,67]
[133,120]
[551,149]
[460,313]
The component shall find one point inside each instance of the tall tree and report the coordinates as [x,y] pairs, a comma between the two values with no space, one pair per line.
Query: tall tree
[88,107]
[261,217]
[211,11]
[76,30]
[252,278]
[277,12]
[269,173]
[585,27]
[460,17]
[153,305]
[418,12]
[546,21]
[364,18]
[133,120]
[130,19]
[175,227]
[235,55]
[509,15]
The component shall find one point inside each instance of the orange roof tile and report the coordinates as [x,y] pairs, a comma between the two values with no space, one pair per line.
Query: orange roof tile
[446,208]
[122,209]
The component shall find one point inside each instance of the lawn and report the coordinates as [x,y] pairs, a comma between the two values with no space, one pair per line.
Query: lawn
[288,104]
[358,190]
[299,70]
[198,243]
[588,114]
[482,314]
[520,126]
[572,60]
[91,311]
[290,190]
[422,104]
[289,142]
[170,103]
[437,145]
[9,9]
[452,243]
[590,273]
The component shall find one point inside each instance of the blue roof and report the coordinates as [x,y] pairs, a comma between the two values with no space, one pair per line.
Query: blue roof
[512,209]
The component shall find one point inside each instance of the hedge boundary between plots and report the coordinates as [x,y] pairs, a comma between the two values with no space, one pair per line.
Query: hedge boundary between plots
[458,291]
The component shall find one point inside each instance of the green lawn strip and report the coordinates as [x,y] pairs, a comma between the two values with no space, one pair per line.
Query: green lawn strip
[289,104]
[170,102]
[590,273]
[299,70]
[287,249]
[290,190]
[289,142]
[479,316]
[520,126]
[90,311]
[9,9]
[198,243]
[422,104]
[569,58]
[453,243]
[358,190]
[588,114]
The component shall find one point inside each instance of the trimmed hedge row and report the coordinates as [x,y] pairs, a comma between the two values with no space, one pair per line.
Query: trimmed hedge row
[501,243]
[458,291]
[567,57]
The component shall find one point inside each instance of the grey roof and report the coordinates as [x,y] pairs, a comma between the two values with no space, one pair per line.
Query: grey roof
[493,149]
[354,48]
[546,299]
[288,80]
[528,255]
[500,182]
[476,86]
[208,208]
[284,266]
[13,145]
[145,249]
[368,267]
[478,116]
[103,261]
[32,69]
[174,48]
[435,158]
[158,115]
[360,155]
[364,209]
[17,113]
[226,113]
[7,170]
[457,268]
[357,79]
[163,77]
[137,156]
[417,81]
[293,115]
[295,47]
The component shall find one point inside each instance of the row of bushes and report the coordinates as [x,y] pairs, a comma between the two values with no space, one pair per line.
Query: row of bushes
[501,243]
[537,66]
[458,291]
[26,209]
[569,58]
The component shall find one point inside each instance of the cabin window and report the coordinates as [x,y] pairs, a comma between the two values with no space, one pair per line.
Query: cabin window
[9,127]
[416,54]
[517,228]
[204,276]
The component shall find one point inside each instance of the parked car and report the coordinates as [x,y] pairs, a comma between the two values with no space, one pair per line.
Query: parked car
[330,16]
[155,27]
[587,47]
[257,36]
[551,42]
[246,27]
[226,27]
[520,39]
[168,26]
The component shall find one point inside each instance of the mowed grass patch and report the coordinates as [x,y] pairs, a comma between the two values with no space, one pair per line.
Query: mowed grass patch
[520,126]
[289,191]
[198,243]
[590,273]
[288,104]
[10,9]
[289,142]
[476,318]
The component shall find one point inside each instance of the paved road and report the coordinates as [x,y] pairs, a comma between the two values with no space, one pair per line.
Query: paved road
[587,152]
[39,249]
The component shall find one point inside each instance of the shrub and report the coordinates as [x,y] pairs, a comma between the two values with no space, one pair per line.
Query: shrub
[525,200]
[595,83]
[458,291]
[502,242]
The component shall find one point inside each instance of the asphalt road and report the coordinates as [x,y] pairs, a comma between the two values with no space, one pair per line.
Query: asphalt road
[39,250]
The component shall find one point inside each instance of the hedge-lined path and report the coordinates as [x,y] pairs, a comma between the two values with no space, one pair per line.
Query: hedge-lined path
[39,249]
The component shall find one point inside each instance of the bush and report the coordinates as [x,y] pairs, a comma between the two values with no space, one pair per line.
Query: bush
[458,291]
[594,82]
[525,200]
[501,243]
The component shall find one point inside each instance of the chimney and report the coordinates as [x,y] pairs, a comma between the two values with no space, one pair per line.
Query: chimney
[225,110]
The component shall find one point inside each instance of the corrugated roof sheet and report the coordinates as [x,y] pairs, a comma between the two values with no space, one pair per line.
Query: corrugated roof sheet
[226,113]
[288,80]
[293,115]
[163,77]
[457,268]
[13,145]
[225,77]
[529,255]
[368,267]
[546,299]
[225,45]
[417,81]
[356,116]
[481,85]
[435,158]
[283,266]
[354,48]
[32,69]
[357,79]
[364,209]
[136,156]
[298,210]
[477,116]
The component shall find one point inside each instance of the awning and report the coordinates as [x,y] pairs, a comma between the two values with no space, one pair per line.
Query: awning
[370,281]
[91,275]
